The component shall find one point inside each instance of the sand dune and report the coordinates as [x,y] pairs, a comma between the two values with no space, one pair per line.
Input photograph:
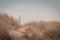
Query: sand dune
[41,30]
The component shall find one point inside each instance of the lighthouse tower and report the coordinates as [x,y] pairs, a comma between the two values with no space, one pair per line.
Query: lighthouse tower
[19,19]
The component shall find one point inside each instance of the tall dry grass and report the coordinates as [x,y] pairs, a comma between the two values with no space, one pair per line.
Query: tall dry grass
[43,30]
[30,31]
[7,23]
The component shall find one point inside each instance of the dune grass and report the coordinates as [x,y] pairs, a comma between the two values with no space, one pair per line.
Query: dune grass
[30,31]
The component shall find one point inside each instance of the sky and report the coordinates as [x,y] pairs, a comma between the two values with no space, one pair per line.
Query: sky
[32,10]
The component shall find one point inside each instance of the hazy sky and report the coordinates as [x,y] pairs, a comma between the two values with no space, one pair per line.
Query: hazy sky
[32,10]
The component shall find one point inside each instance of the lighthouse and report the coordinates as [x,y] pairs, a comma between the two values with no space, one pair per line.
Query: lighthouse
[19,19]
